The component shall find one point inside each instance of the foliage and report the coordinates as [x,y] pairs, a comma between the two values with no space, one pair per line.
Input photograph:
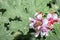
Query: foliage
[19,12]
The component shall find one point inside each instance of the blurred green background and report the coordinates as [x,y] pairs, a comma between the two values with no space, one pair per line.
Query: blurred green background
[14,18]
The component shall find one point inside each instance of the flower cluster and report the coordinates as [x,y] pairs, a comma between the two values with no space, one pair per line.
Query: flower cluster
[43,25]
